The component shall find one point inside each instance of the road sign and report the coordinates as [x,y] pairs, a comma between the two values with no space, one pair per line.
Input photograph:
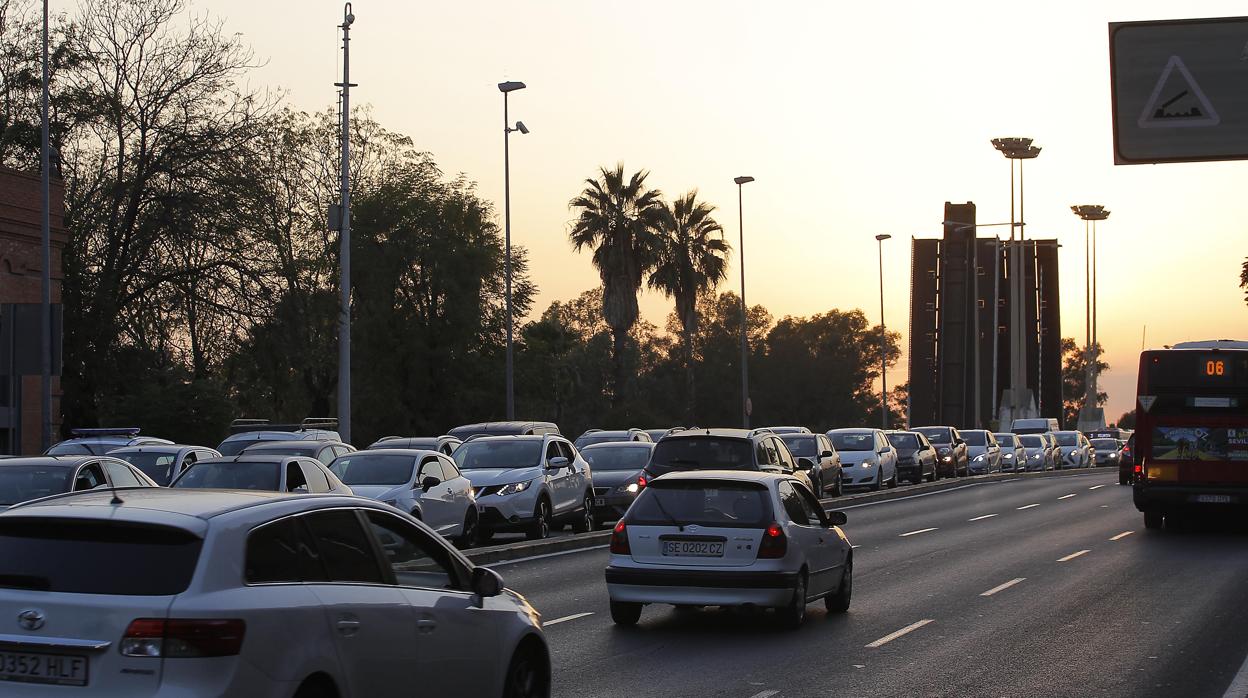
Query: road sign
[1179,90]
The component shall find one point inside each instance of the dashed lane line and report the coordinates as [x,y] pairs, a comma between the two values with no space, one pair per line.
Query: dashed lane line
[1003,587]
[565,619]
[1122,535]
[1072,556]
[981,518]
[904,631]
[1096,487]
[765,694]
[1067,496]
[1239,685]
[915,533]
[1028,506]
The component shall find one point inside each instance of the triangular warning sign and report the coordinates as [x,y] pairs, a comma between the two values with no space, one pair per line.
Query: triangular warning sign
[1146,401]
[1177,102]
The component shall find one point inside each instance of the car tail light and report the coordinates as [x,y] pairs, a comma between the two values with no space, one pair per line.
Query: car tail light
[642,482]
[774,545]
[1139,470]
[619,539]
[183,637]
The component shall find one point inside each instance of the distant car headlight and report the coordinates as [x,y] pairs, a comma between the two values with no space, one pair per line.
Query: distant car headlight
[630,488]
[1008,456]
[867,463]
[946,458]
[1036,456]
[1113,456]
[513,488]
[1072,454]
[980,457]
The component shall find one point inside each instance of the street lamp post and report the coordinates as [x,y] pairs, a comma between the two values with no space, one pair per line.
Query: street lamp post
[45,276]
[1090,417]
[344,236]
[507,88]
[1020,402]
[883,338]
[745,368]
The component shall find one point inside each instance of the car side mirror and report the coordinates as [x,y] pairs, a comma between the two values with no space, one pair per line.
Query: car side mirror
[430,483]
[486,582]
[557,462]
[837,518]
[804,463]
[826,454]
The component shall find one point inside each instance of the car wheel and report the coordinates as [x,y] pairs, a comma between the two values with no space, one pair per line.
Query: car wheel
[625,612]
[793,615]
[1153,519]
[1124,480]
[585,522]
[816,483]
[468,534]
[839,602]
[932,477]
[540,528]
[875,486]
[892,481]
[484,535]
[528,675]
[316,687]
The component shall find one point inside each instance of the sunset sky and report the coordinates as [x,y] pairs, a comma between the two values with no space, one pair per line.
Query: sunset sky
[855,118]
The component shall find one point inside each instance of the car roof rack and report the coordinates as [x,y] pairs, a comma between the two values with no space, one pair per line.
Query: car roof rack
[320,423]
[106,431]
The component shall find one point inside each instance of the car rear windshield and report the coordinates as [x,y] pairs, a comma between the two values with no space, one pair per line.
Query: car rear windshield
[936,435]
[96,557]
[157,466]
[1067,439]
[22,483]
[853,441]
[720,503]
[701,453]
[974,438]
[231,476]
[583,441]
[506,453]
[903,440]
[287,450]
[1031,441]
[617,458]
[800,446]
[372,469]
[233,448]
[1105,444]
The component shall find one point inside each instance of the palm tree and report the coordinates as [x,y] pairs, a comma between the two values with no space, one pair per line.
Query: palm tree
[692,259]
[618,219]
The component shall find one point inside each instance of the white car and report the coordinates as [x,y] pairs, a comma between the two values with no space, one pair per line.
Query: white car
[867,458]
[729,538]
[1074,449]
[426,484]
[527,483]
[259,594]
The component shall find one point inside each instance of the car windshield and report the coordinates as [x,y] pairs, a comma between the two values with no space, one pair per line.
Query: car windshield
[701,453]
[800,446]
[505,453]
[230,475]
[853,440]
[1005,439]
[903,440]
[20,483]
[975,438]
[936,435]
[1031,441]
[157,466]
[702,503]
[1066,439]
[617,457]
[373,469]
[81,448]
[1105,444]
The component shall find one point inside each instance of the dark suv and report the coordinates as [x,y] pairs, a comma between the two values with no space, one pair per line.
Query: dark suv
[952,458]
[721,449]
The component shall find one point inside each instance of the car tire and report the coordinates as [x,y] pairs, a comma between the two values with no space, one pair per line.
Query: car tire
[528,674]
[540,528]
[932,477]
[317,687]
[793,615]
[468,534]
[1124,480]
[875,486]
[839,602]
[585,522]
[1153,520]
[625,612]
[892,481]
[816,483]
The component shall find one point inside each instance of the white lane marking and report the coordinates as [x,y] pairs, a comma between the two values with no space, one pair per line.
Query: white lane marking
[565,619]
[902,499]
[543,557]
[1003,587]
[764,694]
[1028,506]
[915,533]
[1067,496]
[1072,556]
[1122,535]
[855,546]
[1239,685]
[904,631]
[1096,487]
[981,518]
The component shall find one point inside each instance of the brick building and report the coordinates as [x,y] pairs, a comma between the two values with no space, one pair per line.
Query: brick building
[21,266]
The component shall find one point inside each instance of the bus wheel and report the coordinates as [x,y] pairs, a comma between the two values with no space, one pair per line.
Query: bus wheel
[1153,519]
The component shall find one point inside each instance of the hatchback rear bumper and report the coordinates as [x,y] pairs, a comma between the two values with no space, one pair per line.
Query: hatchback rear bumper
[700,587]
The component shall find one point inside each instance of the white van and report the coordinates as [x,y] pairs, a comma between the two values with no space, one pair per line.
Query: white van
[1035,426]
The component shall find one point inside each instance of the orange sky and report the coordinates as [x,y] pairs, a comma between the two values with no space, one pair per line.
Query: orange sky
[855,120]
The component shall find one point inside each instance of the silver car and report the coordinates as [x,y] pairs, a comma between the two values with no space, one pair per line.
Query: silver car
[867,458]
[983,450]
[1013,455]
[729,538]
[1076,450]
[24,479]
[425,484]
[261,472]
[1036,452]
[163,462]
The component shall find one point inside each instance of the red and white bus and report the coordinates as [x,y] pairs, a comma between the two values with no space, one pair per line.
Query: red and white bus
[1191,430]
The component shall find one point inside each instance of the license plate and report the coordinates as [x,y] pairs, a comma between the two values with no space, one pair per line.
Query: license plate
[1214,499]
[600,501]
[691,548]
[36,667]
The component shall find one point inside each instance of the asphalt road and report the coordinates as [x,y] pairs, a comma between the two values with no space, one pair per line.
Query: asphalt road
[1044,587]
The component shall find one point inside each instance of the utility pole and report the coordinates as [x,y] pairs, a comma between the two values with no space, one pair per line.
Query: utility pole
[45,277]
[344,237]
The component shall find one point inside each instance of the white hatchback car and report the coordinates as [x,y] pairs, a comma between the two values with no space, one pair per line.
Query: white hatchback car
[729,538]
[227,593]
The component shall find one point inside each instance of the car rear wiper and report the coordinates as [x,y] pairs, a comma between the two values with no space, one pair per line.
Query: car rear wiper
[658,502]
[683,461]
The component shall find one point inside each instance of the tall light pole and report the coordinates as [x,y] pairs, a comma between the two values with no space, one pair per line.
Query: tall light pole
[45,277]
[1020,402]
[1091,416]
[745,368]
[344,236]
[879,239]
[507,88]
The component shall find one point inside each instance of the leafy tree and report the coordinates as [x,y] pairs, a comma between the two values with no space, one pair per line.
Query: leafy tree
[1243,280]
[617,218]
[1127,420]
[1074,380]
[691,260]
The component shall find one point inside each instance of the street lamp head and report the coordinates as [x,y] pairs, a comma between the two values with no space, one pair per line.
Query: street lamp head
[1090,212]
[521,127]
[743,180]
[1016,148]
[882,237]
[348,18]
[510,86]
